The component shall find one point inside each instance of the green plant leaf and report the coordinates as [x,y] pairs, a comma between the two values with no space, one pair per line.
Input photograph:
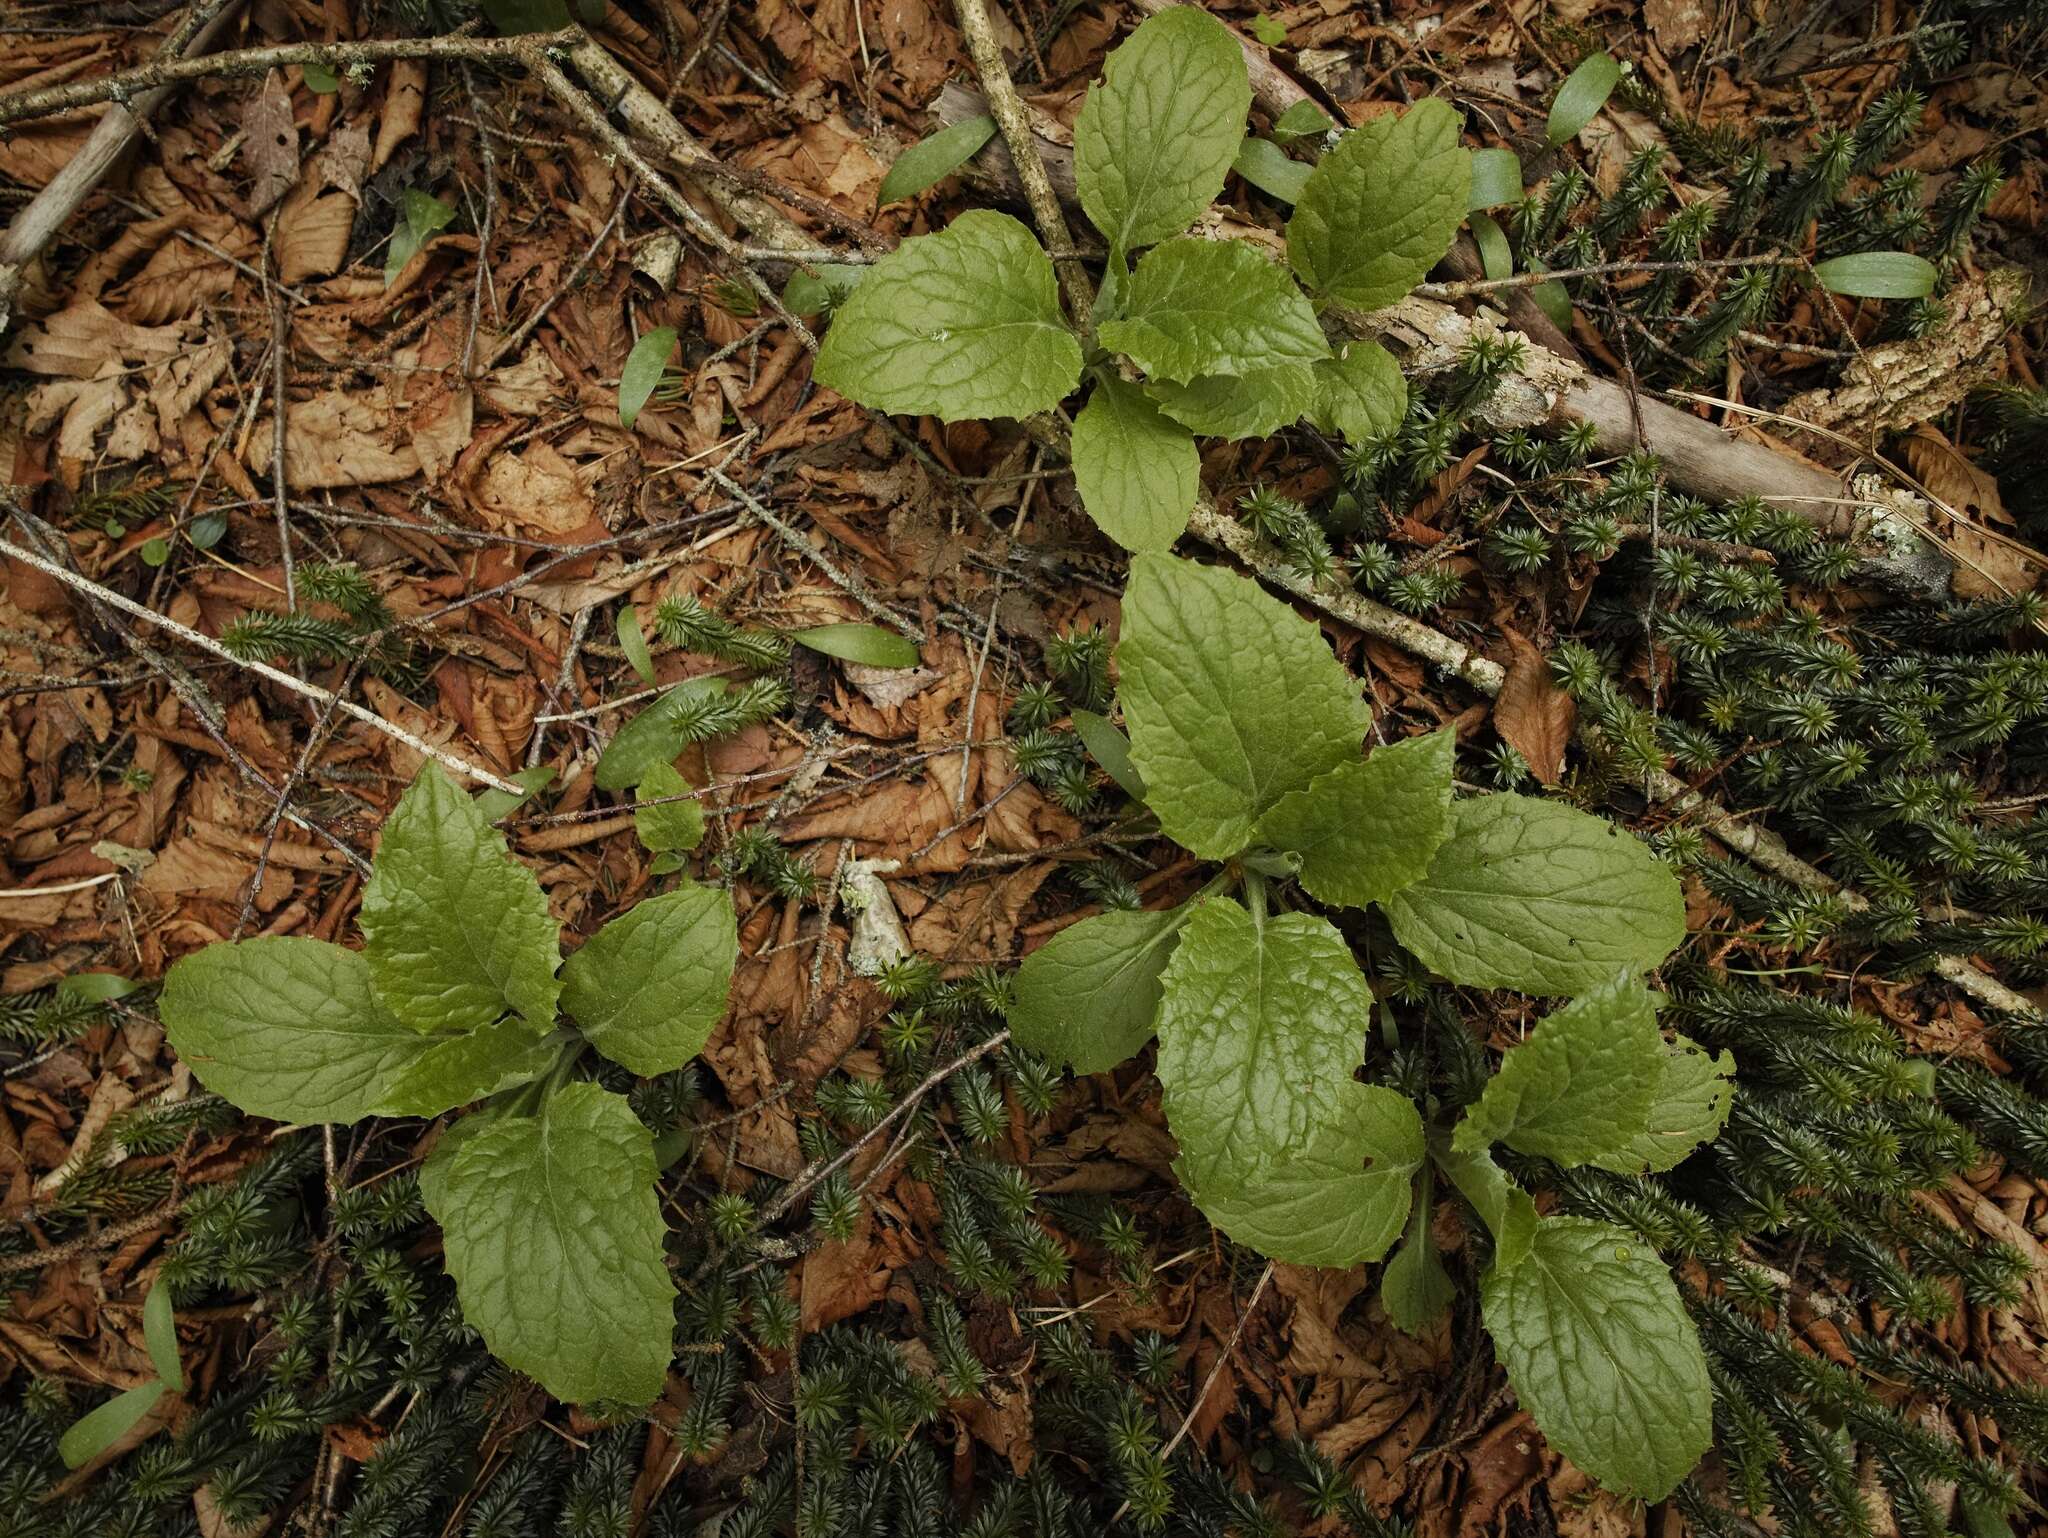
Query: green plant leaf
[516,16]
[160,1335]
[320,80]
[494,803]
[1369,827]
[667,825]
[1260,1029]
[456,931]
[1212,307]
[1111,749]
[641,377]
[1269,30]
[1580,98]
[1878,275]
[1231,698]
[822,287]
[655,736]
[421,216]
[456,1070]
[1234,406]
[869,645]
[633,642]
[1553,299]
[1691,1100]
[934,158]
[286,1027]
[964,323]
[1303,120]
[1579,1087]
[1382,207]
[1137,470]
[554,1237]
[96,987]
[1415,1289]
[1266,166]
[1360,393]
[1157,134]
[1089,995]
[206,532]
[649,987]
[1496,257]
[1603,1356]
[1503,1206]
[1531,895]
[100,1428]
[1496,178]
[156,551]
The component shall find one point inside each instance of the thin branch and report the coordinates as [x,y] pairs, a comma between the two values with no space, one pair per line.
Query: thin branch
[1446,291]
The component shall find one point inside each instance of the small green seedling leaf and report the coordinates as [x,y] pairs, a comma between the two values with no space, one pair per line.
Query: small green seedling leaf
[1496,178]
[1269,30]
[664,824]
[206,531]
[1496,257]
[1693,1092]
[421,216]
[160,1335]
[1369,828]
[1382,207]
[1266,166]
[1238,406]
[1198,307]
[824,287]
[1157,134]
[648,988]
[1231,700]
[633,642]
[1360,394]
[934,158]
[1878,275]
[96,987]
[155,551]
[494,803]
[99,1429]
[642,373]
[1111,749]
[455,930]
[869,645]
[1532,895]
[962,324]
[1602,1354]
[1580,98]
[552,1231]
[1303,120]
[320,80]
[1137,470]
[1088,996]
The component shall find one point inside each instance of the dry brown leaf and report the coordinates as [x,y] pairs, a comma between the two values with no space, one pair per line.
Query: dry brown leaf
[404,100]
[1533,715]
[336,439]
[1947,472]
[270,144]
[536,493]
[86,405]
[77,342]
[312,236]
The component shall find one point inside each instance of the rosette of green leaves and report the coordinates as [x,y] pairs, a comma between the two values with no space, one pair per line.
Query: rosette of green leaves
[545,1193]
[1248,736]
[1202,337]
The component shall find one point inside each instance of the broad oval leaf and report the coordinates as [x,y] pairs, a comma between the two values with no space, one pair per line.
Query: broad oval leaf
[1360,394]
[1137,470]
[1089,995]
[1878,275]
[1693,1092]
[962,324]
[553,1234]
[1602,1354]
[1157,133]
[1197,307]
[654,736]
[456,1070]
[1267,167]
[100,1428]
[934,158]
[667,825]
[1303,120]
[1531,895]
[869,645]
[320,80]
[286,1027]
[160,1335]
[821,287]
[1580,98]
[1382,207]
[1231,698]
[1111,749]
[1580,1087]
[641,376]
[455,930]
[1369,827]
[1496,257]
[96,987]
[649,987]
[1260,1029]
[1496,178]
[1237,406]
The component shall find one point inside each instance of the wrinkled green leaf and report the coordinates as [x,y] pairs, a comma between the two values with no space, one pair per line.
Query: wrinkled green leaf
[99,1429]
[667,825]
[934,158]
[1111,749]
[1496,178]
[655,736]
[1580,98]
[962,324]
[1254,405]
[1260,1029]
[286,1027]
[641,376]
[1137,471]
[1691,1100]
[1382,207]
[1157,134]
[1603,1356]
[869,645]
[1089,995]
[551,1230]
[1231,699]
[1368,828]
[1878,275]
[633,642]
[455,1070]
[1532,895]
[455,930]
[648,989]
[1579,1087]
[1266,166]
[1198,307]
[160,1335]
[1360,394]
